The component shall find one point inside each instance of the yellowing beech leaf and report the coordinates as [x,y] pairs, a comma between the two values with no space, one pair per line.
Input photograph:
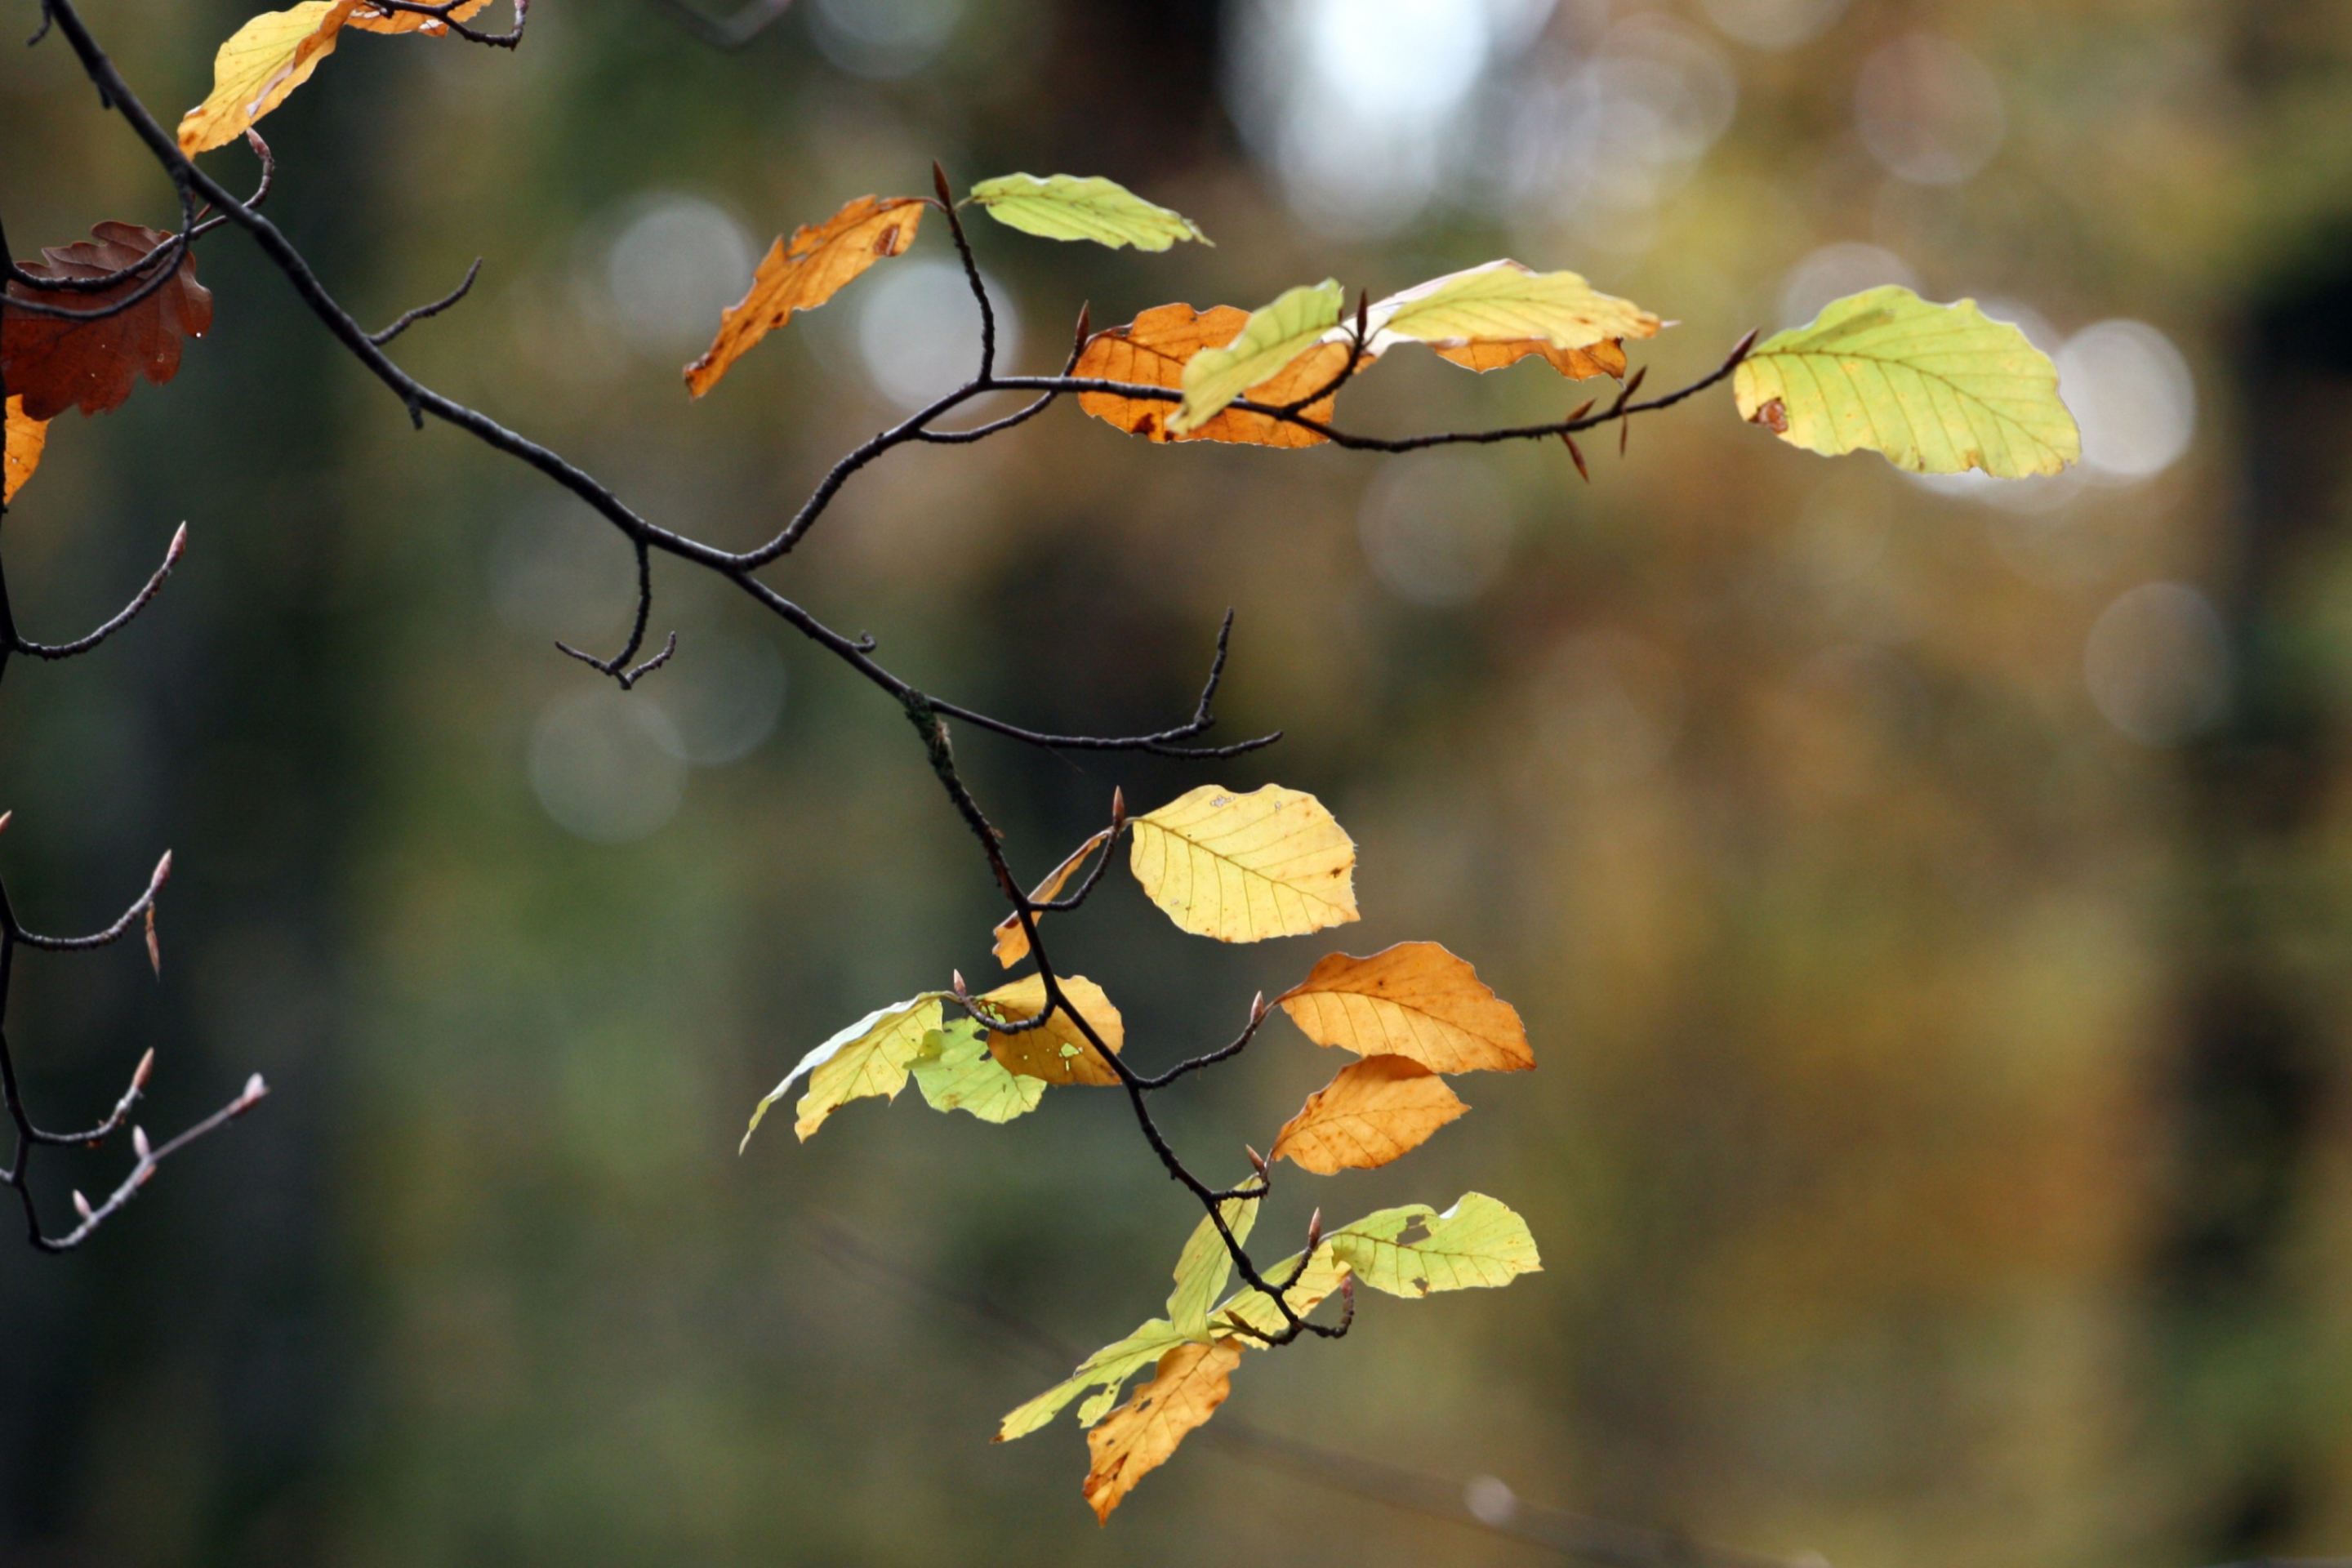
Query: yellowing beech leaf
[1939,389]
[1204,1265]
[1012,941]
[368,19]
[803,273]
[1414,1000]
[1153,350]
[1375,1109]
[1269,340]
[1505,305]
[1191,1382]
[1066,206]
[869,1057]
[955,1072]
[1107,1370]
[26,437]
[1415,1251]
[262,62]
[1255,1310]
[1604,358]
[1058,1052]
[1242,867]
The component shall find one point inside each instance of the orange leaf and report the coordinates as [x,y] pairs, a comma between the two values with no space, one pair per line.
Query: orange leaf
[1057,1051]
[1414,1000]
[1150,351]
[1011,941]
[58,365]
[1606,357]
[804,273]
[1375,1109]
[1139,1437]
[24,440]
[368,19]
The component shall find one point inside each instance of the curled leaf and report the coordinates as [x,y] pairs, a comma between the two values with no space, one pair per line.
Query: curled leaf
[1191,1380]
[1058,1050]
[259,66]
[870,1057]
[1415,1251]
[955,1071]
[1242,867]
[804,272]
[26,437]
[1939,389]
[1270,340]
[1375,1110]
[1204,1265]
[1413,1000]
[1153,350]
[1066,206]
[1496,314]
[1012,941]
[54,364]
[368,19]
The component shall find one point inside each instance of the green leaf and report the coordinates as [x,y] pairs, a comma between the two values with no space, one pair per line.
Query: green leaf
[1414,1250]
[1107,1369]
[1939,389]
[1256,1309]
[1066,206]
[869,1057]
[1271,338]
[1204,1265]
[1503,301]
[955,1072]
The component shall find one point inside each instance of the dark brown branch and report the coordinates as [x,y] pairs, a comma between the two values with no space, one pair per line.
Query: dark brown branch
[122,618]
[106,938]
[423,312]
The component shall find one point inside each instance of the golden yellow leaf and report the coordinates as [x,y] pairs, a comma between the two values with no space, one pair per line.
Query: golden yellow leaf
[1105,1372]
[1204,1265]
[26,437]
[262,62]
[1011,941]
[1152,350]
[1375,1109]
[803,273]
[1058,1052]
[1138,1438]
[870,1057]
[1242,867]
[1413,1000]
[1271,341]
[1606,357]
[1255,1310]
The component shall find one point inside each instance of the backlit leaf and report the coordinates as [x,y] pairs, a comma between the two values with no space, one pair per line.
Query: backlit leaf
[869,1057]
[56,365]
[262,62]
[368,19]
[1192,1380]
[1105,1371]
[1153,350]
[26,437]
[1204,1265]
[1012,941]
[1375,1109]
[803,273]
[1242,867]
[1604,358]
[1939,389]
[956,1072]
[1414,1000]
[1269,340]
[1415,1251]
[1493,315]
[1066,206]
[1254,1308]
[1058,1052]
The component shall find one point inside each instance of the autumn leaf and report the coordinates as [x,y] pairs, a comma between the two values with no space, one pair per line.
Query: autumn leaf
[1604,358]
[1204,1265]
[1413,1000]
[869,1057]
[56,365]
[1192,1380]
[1415,1251]
[1012,941]
[1242,867]
[262,62]
[1254,1310]
[1375,1109]
[803,273]
[1057,1051]
[26,437]
[368,19]
[1066,206]
[1272,337]
[1106,1371]
[1939,389]
[1496,314]
[1152,350]
[955,1071]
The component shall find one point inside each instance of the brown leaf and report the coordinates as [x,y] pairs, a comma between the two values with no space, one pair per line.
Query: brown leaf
[26,438]
[1773,415]
[1139,1437]
[58,365]
[1011,941]
[1152,350]
[1414,1000]
[1375,1109]
[1058,1052]
[368,19]
[1606,357]
[805,272]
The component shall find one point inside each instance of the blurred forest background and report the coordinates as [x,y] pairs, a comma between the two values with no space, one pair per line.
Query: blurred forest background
[1931,905]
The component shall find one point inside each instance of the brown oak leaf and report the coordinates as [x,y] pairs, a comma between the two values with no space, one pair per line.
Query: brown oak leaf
[59,364]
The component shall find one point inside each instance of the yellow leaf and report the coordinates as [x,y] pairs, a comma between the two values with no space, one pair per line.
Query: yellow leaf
[1012,941]
[1191,1382]
[1414,1000]
[1254,1308]
[804,273]
[870,1057]
[1375,1109]
[1242,867]
[1105,1371]
[1504,303]
[262,62]
[1415,1251]
[26,437]
[1153,350]
[1204,1265]
[1270,340]
[1058,1051]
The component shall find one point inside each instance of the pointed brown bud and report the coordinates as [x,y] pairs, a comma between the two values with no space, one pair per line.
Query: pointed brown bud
[1363,312]
[1315,1231]
[81,1206]
[144,1070]
[958,976]
[154,948]
[179,547]
[1257,1160]
[1257,1008]
[5,818]
[1117,808]
[1577,454]
[138,1144]
[939,183]
[163,870]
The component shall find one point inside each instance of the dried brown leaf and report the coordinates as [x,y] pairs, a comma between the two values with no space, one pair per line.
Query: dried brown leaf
[1414,1000]
[56,365]
[1058,1051]
[1192,1380]
[1375,1109]
[804,272]
[1152,351]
